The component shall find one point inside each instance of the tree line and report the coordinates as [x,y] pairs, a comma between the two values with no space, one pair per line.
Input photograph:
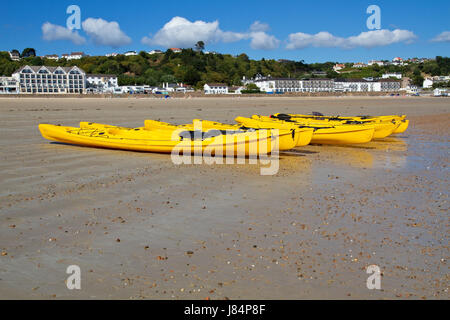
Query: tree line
[194,67]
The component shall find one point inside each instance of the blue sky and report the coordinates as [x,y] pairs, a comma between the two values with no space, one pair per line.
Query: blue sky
[270,29]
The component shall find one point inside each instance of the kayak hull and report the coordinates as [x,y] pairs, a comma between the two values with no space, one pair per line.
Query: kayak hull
[384,125]
[404,124]
[342,136]
[255,143]
[322,133]
[287,138]
[384,129]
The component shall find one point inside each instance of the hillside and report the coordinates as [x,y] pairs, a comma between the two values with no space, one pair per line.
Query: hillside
[196,68]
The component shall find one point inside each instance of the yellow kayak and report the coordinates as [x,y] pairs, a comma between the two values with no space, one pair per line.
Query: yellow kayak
[340,118]
[138,139]
[384,127]
[383,124]
[304,134]
[287,138]
[323,133]
[404,124]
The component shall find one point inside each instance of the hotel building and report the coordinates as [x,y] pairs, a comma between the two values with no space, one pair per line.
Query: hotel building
[50,80]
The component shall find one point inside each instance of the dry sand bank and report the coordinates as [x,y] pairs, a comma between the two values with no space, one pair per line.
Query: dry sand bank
[141,227]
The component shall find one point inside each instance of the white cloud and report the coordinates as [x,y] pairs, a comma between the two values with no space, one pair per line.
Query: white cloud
[443,37]
[180,32]
[52,32]
[229,36]
[378,38]
[322,39]
[259,26]
[263,41]
[366,39]
[105,33]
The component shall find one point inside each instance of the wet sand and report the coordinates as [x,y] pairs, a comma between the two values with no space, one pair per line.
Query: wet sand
[141,227]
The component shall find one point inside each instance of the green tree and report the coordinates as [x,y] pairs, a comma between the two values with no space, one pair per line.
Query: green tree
[28,52]
[200,46]
[417,78]
[168,78]
[143,54]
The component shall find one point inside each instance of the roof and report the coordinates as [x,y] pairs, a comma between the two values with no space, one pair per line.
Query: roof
[317,79]
[277,79]
[101,75]
[51,69]
[217,84]
[350,80]
[77,54]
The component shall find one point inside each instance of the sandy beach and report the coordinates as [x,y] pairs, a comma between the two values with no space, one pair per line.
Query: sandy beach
[141,227]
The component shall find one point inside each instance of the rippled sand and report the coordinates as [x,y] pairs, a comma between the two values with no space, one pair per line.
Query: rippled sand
[141,227]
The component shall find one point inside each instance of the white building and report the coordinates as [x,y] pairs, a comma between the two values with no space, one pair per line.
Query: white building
[265,85]
[215,88]
[14,56]
[176,87]
[317,85]
[359,65]
[283,85]
[176,50]
[440,92]
[73,56]
[101,82]
[154,52]
[355,85]
[130,53]
[428,82]
[8,85]
[114,54]
[377,62]
[338,66]
[390,85]
[397,61]
[45,80]
[52,57]
[412,89]
[236,90]
[363,85]
[392,75]
[271,85]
